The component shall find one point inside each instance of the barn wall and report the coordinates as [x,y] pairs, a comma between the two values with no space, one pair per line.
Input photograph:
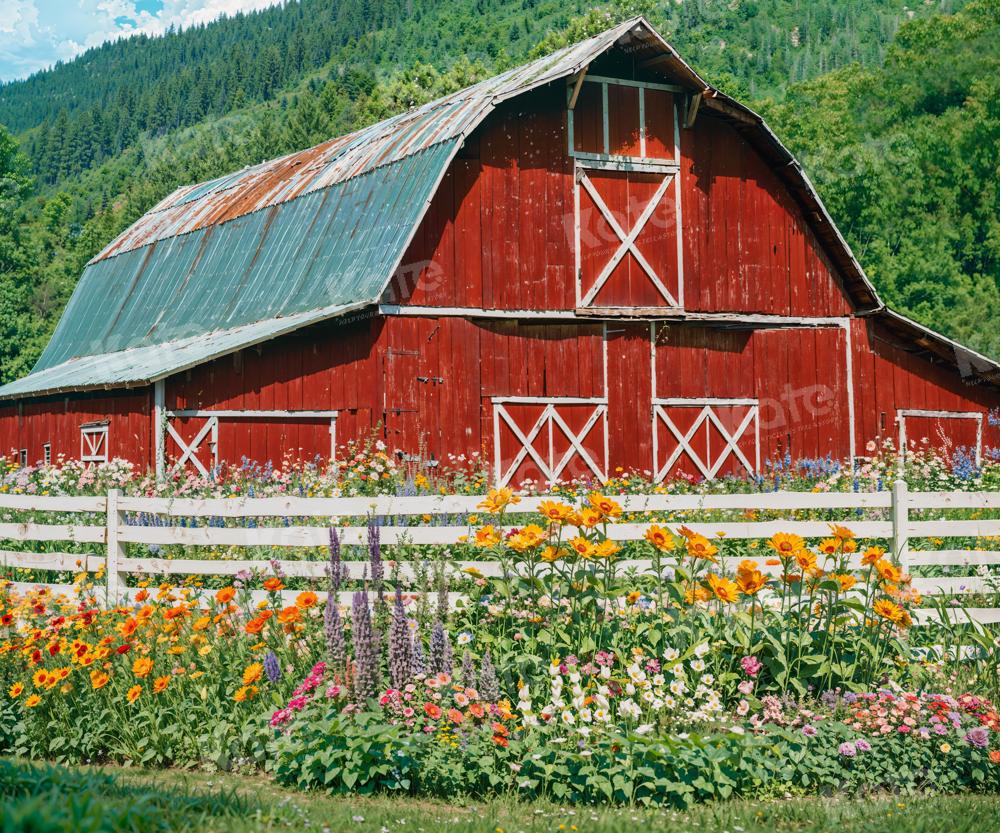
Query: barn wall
[57,420]
[499,233]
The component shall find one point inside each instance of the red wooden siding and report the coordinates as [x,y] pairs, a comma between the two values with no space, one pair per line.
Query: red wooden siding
[57,421]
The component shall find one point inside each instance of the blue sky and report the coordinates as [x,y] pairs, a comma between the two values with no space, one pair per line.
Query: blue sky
[36,33]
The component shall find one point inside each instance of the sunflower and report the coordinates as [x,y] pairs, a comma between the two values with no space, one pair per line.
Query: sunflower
[872,555]
[888,610]
[806,560]
[660,538]
[555,511]
[724,589]
[698,546]
[605,505]
[786,544]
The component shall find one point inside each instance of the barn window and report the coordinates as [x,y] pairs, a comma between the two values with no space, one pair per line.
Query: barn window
[94,442]
[23,458]
[614,118]
[548,439]
[946,430]
[705,437]
[47,453]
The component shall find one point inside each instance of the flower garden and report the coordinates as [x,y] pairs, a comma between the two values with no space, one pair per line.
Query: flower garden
[670,670]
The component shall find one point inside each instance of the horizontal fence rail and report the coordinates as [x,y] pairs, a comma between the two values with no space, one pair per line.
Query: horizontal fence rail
[113,522]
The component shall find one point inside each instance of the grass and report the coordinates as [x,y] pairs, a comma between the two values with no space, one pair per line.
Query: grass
[41,799]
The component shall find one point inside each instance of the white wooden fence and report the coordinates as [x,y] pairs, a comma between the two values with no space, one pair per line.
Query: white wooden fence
[121,525]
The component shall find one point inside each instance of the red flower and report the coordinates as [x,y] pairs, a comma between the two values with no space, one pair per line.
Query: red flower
[432,711]
[123,649]
[500,740]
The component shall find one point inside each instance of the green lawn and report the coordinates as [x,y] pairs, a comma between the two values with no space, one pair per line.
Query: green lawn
[38,799]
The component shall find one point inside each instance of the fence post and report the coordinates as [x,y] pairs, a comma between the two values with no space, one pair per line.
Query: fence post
[116,549]
[900,521]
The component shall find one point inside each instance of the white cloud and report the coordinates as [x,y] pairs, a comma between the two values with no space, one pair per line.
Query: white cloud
[37,33]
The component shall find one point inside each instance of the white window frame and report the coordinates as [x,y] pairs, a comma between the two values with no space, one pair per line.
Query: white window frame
[94,437]
[210,431]
[607,156]
[47,453]
[707,413]
[549,420]
[903,413]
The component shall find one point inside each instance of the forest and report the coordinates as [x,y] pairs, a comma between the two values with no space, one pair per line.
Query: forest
[893,111]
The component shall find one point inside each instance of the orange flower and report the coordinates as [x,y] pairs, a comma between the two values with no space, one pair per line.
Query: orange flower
[99,679]
[698,546]
[605,505]
[526,538]
[750,581]
[133,693]
[606,549]
[127,628]
[872,555]
[142,595]
[582,547]
[888,571]
[201,624]
[142,666]
[660,538]
[289,615]
[247,692]
[487,536]
[888,610]
[225,595]
[252,673]
[16,689]
[555,511]
[588,517]
[846,581]
[785,544]
[829,546]
[841,532]
[432,711]
[32,701]
[455,716]
[254,626]
[551,554]
[273,585]
[160,684]
[806,560]
[498,499]
[995,756]
[305,600]
[724,589]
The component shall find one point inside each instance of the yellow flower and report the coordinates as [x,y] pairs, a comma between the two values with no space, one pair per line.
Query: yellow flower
[551,554]
[786,544]
[698,546]
[32,701]
[633,597]
[872,555]
[606,548]
[846,581]
[582,547]
[201,624]
[16,689]
[829,546]
[605,505]
[841,532]
[945,747]
[660,538]
[888,571]
[724,589]
[498,499]
[888,610]
[133,693]
[806,560]
[526,538]
[160,684]
[142,666]
[98,679]
[555,511]
[252,673]
[245,693]
[487,536]
[204,650]
[750,580]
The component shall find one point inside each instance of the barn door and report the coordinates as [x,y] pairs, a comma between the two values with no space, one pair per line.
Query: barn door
[548,440]
[402,367]
[947,431]
[705,438]
[627,246]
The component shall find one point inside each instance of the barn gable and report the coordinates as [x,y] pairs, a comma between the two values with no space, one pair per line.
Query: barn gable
[261,252]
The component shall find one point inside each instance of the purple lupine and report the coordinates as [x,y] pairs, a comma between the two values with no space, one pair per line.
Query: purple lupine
[489,685]
[441,657]
[272,667]
[375,554]
[399,645]
[336,572]
[417,664]
[333,624]
[468,670]
[367,673]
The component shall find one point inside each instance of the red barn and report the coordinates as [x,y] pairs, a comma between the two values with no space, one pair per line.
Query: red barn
[593,261]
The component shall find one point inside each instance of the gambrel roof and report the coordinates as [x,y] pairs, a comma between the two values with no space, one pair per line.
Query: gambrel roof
[275,247]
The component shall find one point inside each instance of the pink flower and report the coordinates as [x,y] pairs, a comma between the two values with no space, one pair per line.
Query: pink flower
[745,687]
[751,666]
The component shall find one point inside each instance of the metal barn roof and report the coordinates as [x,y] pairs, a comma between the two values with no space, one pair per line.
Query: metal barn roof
[258,253]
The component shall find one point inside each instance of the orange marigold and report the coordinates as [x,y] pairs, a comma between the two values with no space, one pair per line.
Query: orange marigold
[252,673]
[142,666]
[724,589]
[99,679]
[660,538]
[133,693]
[225,595]
[289,615]
[306,600]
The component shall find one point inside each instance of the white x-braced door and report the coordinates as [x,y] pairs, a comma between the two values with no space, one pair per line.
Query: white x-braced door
[706,438]
[550,439]
[627,243]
